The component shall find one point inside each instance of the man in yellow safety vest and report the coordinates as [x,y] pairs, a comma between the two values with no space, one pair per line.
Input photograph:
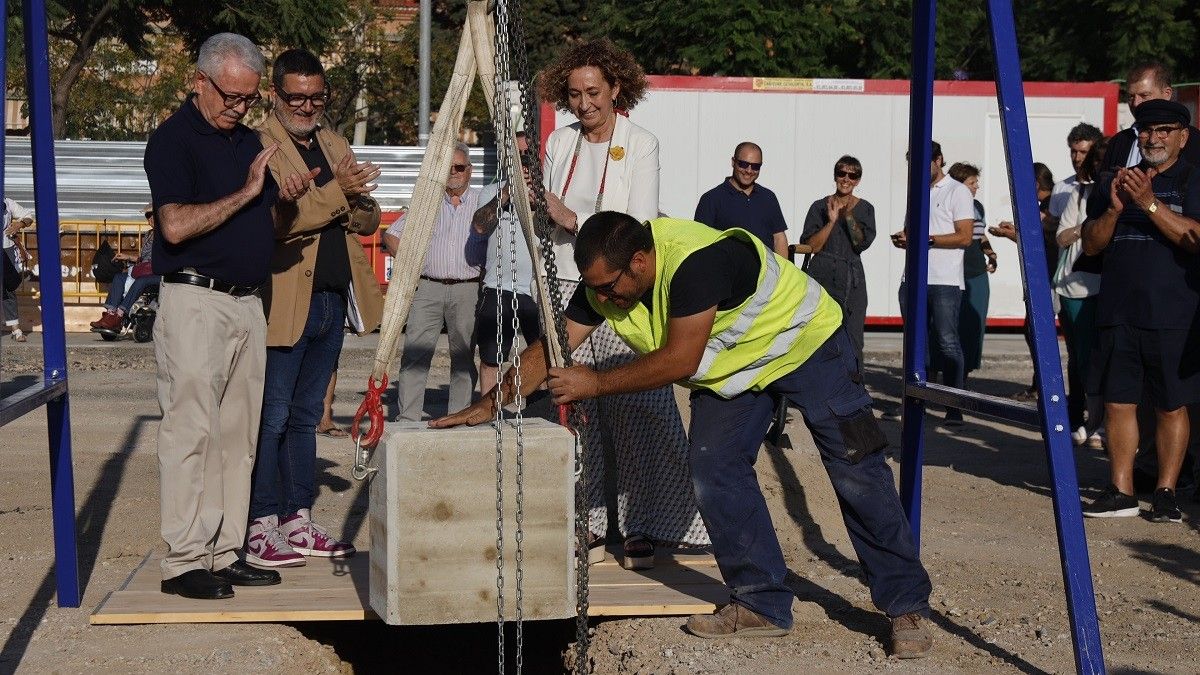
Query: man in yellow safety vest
[717,312]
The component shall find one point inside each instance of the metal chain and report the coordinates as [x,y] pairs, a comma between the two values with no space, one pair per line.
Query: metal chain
[510,30]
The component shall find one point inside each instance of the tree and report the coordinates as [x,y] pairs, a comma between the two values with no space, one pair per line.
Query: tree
[81,26]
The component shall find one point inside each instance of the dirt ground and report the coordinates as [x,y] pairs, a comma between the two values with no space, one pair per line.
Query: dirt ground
[988,542]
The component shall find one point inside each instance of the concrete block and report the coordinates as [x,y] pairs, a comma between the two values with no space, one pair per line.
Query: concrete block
[433,524]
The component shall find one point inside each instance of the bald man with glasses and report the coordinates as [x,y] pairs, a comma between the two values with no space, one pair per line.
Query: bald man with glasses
[740,201]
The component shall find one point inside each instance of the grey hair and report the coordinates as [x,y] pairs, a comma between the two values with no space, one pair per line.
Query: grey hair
[464,149]
[217,49]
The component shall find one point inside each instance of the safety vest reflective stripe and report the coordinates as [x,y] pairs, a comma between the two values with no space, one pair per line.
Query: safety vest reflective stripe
[741,380]
[730,336]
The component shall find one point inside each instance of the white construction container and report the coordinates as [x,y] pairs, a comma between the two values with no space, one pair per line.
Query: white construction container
[804,125]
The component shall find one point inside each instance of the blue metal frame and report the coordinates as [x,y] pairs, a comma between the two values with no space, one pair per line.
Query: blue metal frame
[1051,413]
[53,391]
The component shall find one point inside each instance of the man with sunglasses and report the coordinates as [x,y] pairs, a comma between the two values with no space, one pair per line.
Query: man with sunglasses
[321,281]
[1146,220]
[740,201]
[214,233]
[717,313]
[446,294]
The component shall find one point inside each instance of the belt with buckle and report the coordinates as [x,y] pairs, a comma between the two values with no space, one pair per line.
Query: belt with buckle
[210,283]
[451,282]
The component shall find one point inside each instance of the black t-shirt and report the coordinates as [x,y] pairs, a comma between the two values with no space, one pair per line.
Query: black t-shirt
[724,274]
[1146,281]
[332,271]
[189,161]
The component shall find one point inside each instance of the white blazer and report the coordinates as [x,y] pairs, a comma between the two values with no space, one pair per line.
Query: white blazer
[632,185]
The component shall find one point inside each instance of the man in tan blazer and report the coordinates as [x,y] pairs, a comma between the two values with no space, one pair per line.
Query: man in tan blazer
[320,282]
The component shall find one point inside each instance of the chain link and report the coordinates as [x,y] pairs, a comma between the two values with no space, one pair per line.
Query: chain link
[510,31]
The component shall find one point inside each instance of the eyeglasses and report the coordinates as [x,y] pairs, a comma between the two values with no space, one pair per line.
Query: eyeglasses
[298,100]
[743,164]
[846,174]
[607,289]
[1159,131]
[459,168]
[233,100]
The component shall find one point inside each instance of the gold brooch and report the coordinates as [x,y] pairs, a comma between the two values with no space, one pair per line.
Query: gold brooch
[617,153]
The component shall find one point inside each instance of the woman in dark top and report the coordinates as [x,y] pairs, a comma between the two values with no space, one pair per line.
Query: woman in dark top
[839,228]
[979,260]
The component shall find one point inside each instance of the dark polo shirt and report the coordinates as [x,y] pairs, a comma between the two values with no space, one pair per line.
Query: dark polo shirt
[1146,281]
[189,161]
[725,206]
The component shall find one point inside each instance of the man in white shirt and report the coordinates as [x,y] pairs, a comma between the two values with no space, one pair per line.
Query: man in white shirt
[951,217]
[446,293]
[1080,140]
[14,218]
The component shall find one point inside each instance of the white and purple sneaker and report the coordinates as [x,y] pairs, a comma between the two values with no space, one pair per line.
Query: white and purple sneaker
[266,546]
[306,537]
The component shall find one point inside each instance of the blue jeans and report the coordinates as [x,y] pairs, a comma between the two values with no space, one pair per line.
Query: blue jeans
[118,298]
[945,347]
[293,401]
[725,438]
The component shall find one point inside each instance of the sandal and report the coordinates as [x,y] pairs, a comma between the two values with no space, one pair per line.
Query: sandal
[639,553]
[17,335]
[596,552]
[333,432]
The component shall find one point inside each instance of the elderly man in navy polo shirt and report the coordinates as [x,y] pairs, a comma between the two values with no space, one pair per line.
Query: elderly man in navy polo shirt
[212,197]
[739,201]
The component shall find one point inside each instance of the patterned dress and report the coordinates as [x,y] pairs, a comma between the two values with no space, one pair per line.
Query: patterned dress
[644,434]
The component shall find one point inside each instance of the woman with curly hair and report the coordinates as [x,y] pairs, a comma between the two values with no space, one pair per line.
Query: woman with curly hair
[604,162]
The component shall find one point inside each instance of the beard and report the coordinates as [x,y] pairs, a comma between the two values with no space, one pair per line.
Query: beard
[299,129]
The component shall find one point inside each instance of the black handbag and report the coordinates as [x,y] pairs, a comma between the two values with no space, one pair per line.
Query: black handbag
[104,266]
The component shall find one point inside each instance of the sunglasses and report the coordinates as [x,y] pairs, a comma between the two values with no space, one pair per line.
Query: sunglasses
[459,168]
[607,289]
[743,164]
[847,174]
[232,101]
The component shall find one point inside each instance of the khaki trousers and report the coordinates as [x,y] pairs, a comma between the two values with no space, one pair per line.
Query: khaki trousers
[211,352]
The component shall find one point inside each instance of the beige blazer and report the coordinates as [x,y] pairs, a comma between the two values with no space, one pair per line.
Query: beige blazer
[296,232]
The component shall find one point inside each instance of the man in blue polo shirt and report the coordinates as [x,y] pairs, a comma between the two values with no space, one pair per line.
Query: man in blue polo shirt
[1146,220]
[739,201]
[212,198]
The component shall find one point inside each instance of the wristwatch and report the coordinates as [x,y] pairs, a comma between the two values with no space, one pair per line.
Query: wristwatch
[931,241]
[1153,207]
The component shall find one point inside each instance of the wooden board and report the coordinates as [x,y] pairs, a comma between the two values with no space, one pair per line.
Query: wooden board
[684,582]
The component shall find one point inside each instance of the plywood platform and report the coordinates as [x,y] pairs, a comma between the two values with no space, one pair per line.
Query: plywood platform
[682,582]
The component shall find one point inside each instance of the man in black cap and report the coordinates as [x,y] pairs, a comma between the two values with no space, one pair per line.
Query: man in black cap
[1146,220]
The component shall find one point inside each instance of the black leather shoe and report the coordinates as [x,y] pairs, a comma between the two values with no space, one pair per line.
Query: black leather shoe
[241,574]
[199,585]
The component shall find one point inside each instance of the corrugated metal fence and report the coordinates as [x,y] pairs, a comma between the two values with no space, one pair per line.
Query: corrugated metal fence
[100,180]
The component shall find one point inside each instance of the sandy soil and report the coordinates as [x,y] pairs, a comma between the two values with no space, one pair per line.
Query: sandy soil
[988,541]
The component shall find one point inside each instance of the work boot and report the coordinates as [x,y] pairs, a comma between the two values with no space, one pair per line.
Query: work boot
[733,620]
[110,321]
[910,638]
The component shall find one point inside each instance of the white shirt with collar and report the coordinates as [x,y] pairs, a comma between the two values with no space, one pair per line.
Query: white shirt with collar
[949,200]
[12,210]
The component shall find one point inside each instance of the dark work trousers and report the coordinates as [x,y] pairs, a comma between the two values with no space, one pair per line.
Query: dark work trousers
[725,437]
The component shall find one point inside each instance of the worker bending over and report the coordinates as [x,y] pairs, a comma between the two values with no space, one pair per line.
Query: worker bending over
[740,326]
